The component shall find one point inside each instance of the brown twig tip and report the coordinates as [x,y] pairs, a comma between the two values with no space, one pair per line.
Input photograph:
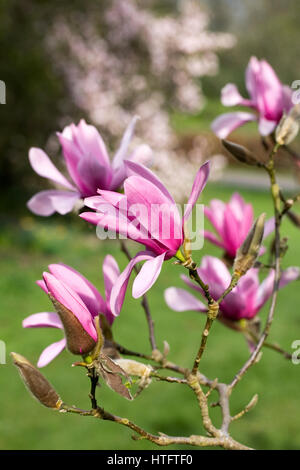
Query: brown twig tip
[36,383]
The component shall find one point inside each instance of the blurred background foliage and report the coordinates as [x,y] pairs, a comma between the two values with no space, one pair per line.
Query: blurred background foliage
[39,102]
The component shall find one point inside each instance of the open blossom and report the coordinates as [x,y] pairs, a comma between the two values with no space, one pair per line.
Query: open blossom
[80,297]
[88,165]
[268,97]
[243,302]
[146,213]
[232,222]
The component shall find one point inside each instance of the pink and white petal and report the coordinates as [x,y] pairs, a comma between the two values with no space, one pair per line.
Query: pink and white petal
[91,142]
[214,273]
[42,319]
[82,286]
[211,237]
[68,297]
[265,290]
[288,275]
[230,96]
[111,272]
[223,125]
[136,169]
[119,289]
[51,352]
[42,285]
[215,214]
[287,95]
[154,211]
[122,150]
[269,227]
[190,283]
[93,175]
[198,186]
[43,166]
[265,126]
[252,72]
[47,202]
[180,300]
[64,201]
[142,155]
[232,235]
[270,102]
[147,276]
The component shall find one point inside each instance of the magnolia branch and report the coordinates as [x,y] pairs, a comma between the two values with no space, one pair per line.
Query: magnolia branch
[221,440]
[276,203]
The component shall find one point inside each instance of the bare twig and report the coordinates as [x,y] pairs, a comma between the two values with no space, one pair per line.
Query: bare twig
[162,439]
[276,202]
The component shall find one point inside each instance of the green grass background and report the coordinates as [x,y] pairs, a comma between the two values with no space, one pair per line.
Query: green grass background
[29,245]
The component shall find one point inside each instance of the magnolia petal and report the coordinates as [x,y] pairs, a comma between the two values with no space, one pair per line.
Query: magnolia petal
[223,125]
[111,273]
[119,288]
[91,142]
[42,319]
[65,295]
[180,300]
[43,166]
[230,96]
[82,286]
[122,151]
[47,202]
[265,126]
[211,237]
[136,169]
[147,276]
[269,227]
[198,186]
[51,352]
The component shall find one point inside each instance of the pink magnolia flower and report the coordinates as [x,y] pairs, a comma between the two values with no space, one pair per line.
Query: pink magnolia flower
[244,301]
[232,222]
[77,294]
[88,165]
[146,213]
[268,97]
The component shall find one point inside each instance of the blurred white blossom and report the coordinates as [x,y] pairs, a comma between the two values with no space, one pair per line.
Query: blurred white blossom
[122,58]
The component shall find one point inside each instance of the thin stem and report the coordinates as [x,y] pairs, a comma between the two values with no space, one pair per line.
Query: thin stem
[276,202]
[162,439]
[195,276]
[94,380]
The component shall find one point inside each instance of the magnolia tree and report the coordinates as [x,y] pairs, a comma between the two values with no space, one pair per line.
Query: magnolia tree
[124,58]
[125,200]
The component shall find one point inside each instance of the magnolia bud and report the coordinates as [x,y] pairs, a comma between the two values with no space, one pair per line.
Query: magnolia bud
[78,340]
[249,250]
[136,368]
[36,383]
[288,127]
[241,153]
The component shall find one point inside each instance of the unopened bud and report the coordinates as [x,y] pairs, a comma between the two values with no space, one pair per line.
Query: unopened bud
[136,368]
[288,127]
[78,340]
[36,383]
[241,153]
[249,250]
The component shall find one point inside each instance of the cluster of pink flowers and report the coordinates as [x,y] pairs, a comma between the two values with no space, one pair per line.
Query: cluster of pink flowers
[125,197]
[269,99]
